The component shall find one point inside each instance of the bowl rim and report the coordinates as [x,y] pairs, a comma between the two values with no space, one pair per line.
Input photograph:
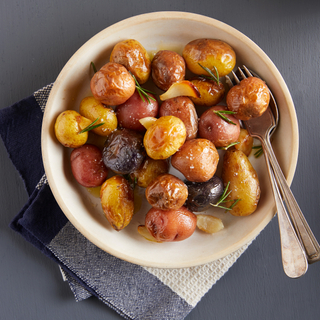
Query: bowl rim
[169,15]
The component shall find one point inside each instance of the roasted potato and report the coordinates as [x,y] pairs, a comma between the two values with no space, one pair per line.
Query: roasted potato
[219,131]
[167,192]
[149,170]
[68,126]
[171,225]
[248,99]
[244,182]
[112,84]
[117,201]
[209,53]
[197,160]
[93,109]
[87,166]
[131,54]
[245,142]
[164,137]
[167,67]
[182,108]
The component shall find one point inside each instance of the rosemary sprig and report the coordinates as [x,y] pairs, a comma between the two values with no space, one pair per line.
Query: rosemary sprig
[259,151]
[91,126]
[221,114]
[229,145]
[223,200]
[132,181]
[143,93]
[93,67]
[212,76]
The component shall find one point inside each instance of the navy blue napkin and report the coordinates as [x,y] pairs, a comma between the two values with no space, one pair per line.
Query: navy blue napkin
[135,292]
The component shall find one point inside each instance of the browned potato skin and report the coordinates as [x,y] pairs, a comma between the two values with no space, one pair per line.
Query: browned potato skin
[245,142]
[211,93]
[244,182]
[92,109]
[183,108]
[164,137]
[167,67]
[171,225]
[117,201]
[209,53]
[149,170]
[218,131]
[87,166]
[167,192]
[112,84]
[197,160]
[249,99]
[131,54]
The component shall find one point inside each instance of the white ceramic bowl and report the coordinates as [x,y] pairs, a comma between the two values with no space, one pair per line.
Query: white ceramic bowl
[155,31]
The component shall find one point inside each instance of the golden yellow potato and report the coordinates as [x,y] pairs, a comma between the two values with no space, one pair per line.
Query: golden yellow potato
[164,137]
[244,182]
[92,109]
[209,53]
[149,170]
[245,142]
[117,201]
[131,54]
[68,126]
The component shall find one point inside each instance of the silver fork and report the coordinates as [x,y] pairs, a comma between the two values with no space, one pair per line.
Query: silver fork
[298,244]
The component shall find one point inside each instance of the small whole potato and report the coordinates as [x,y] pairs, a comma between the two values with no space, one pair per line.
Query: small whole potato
[87,166]
[248,99]
[167,67]
[134,109]
[245,142]
[68,126]
[211,93]
[131,54]
[197,160]
[117,201]
[92,109]
[167,192]
[112,84]
[171,225]
[244,182]
[164,137]
[220,132]
[182,108]
[149,170]
[209,53]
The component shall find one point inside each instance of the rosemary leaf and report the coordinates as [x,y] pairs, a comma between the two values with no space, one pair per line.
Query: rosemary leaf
[143,93]
[91,126]
[221,113]
[93,67]
[212,76]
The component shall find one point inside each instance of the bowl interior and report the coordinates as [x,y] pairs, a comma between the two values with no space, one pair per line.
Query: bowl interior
[156,31]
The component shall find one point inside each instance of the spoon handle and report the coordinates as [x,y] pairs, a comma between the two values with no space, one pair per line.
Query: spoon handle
[303,230]
[294,259]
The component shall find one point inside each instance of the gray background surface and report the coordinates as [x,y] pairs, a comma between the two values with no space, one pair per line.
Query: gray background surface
[38,37]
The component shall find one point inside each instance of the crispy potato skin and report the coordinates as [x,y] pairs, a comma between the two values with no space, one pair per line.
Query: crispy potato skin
[117,201]
[197,160]
[131,54]
[171,225]
[244,182]
[112,84]
[218,131]
[245,142]
[209,53]
[182,108]
[167,192]
[249,99]
[92,109]
[167,67]
[67,129]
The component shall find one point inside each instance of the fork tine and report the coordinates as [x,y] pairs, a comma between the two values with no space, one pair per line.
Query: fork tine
[243,76]
[235,77]
[249,74]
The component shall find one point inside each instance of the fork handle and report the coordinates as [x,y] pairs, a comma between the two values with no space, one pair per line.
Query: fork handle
[294,260]
[303,230]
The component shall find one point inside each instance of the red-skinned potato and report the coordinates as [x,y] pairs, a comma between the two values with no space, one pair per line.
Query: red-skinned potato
[87,166]
[220,132]
[134,109]
[171,225]
[182,108]
[112,84]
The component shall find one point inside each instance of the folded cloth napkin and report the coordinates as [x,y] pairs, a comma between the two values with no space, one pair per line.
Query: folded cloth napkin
[133,291]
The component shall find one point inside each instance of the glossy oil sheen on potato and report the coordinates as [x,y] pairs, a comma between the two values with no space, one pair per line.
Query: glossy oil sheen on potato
[244,182]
